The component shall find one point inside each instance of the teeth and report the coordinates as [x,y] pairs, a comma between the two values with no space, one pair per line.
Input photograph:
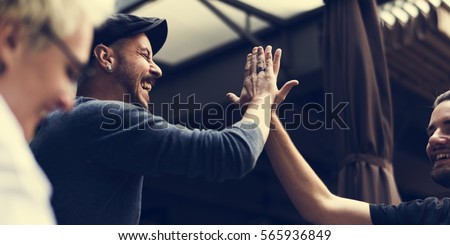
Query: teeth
[146,86]
[442,156]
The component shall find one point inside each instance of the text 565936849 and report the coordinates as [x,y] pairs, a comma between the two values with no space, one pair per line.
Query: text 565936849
[295,235]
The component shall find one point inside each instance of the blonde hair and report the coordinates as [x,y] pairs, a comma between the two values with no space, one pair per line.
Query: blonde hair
[61,17]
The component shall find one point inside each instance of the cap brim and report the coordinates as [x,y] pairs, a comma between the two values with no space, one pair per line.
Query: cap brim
[156,34]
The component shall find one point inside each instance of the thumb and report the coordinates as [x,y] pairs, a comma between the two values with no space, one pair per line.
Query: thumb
[233,98]
[284,91]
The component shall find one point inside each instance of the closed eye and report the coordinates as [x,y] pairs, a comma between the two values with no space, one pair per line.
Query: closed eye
[146,56]
[72,73]
[430,131]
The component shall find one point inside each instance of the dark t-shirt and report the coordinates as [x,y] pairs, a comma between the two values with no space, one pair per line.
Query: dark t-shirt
[430,211]
[96,156]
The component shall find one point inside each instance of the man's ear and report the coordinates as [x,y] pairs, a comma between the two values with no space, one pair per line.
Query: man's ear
[9,42]
[105,57]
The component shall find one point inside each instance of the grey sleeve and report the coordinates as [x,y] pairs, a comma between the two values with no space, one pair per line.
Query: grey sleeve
[131,139]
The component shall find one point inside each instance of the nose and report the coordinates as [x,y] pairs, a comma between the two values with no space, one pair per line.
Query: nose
[438,138]
[67,97]
[155,70]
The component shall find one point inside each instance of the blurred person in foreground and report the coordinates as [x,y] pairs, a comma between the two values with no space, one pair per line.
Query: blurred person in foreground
[44,45]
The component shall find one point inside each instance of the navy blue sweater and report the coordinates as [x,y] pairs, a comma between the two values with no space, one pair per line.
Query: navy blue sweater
[97,155]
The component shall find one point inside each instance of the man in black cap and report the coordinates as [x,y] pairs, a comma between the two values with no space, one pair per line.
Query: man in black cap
[96,155]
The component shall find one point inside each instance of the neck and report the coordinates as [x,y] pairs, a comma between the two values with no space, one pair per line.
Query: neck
[23,114]
[102,87]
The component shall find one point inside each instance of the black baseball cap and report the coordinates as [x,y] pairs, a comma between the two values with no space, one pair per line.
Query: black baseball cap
[121,25]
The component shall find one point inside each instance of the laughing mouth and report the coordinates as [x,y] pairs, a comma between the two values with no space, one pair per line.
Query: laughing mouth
[441,156]
[147,85]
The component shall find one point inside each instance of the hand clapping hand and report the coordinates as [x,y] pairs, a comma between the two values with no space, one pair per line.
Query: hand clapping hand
[260,77]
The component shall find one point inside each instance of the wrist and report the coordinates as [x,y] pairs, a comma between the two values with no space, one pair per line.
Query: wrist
[266,100]
[274,121]
[257,100]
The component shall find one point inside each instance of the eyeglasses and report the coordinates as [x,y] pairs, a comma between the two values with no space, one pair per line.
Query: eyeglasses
[83,71]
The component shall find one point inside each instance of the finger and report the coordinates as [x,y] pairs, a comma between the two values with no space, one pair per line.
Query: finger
[248,66]
[233,98]
[269,63]
[254,60]
[261,59]
[276,61]
[284,91]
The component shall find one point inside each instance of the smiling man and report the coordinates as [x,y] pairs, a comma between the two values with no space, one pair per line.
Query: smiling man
[97,155]
[438,147]
[123,54]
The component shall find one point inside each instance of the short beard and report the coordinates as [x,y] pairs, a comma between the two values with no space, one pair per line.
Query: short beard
[125,78]
[441,176]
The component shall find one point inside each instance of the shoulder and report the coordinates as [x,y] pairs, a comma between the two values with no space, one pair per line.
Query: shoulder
[431,210]
[89,105]
[112,115]
[89,114]
[429,202]
[432,202]
[88,109]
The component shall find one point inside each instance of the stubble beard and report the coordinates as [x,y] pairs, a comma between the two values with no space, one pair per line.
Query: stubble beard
[127,80]
[441,176]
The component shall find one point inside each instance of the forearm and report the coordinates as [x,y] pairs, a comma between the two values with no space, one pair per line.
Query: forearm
[258,114]
[306,190]
[303,186]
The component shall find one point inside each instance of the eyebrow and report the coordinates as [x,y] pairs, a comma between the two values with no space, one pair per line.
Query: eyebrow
[431,128]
